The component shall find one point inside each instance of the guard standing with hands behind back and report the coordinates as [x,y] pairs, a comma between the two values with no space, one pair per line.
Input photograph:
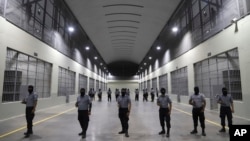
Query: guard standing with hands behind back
[124,104]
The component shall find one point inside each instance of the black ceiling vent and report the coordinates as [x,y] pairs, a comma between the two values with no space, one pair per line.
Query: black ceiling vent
[123,68]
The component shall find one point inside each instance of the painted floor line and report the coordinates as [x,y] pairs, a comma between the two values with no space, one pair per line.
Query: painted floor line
[35,123]
[214,123]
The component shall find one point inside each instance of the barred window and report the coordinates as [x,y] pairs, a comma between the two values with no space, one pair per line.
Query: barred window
[154,83]
[66,82]
[179,81]
[219,71]
[163,81]
[22,70]
[91,83]
[102,86]
[83,82]
[148,85]
[97,85]
[141,87]
[144,83]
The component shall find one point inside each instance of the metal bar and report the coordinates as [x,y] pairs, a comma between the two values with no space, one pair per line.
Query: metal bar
[44,18]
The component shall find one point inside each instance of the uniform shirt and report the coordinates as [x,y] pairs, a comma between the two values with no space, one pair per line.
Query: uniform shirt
[137,92]
[100,93]
[226,100]
[164,100]
[90,92]
[128,92]
[31,99]
[83,102]
[152,92]
[124,101]
[117,92]
[198,100]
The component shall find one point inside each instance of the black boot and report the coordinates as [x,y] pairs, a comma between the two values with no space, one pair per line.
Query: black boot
[121,132]
[84,135]
[126,134]
[162,132]
[194,131]
[80,133]
[167,135]
[222,129]
[203,132]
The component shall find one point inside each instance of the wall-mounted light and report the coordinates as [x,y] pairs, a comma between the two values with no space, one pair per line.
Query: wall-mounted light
[95,57]
[145,64]
[158,48]
[149,57]
[87,48]
[71,29]
[234,20]
[101,64]
[175,29]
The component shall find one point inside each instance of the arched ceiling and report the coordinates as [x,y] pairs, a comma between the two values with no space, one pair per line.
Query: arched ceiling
[123,30]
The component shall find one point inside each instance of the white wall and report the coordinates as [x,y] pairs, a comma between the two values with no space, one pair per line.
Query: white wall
[17,39]
[221,42]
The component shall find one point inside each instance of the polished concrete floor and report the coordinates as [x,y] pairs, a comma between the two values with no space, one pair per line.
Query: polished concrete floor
[60,123]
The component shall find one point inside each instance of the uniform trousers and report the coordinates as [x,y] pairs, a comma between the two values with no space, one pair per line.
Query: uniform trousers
[29,118]
[83,117]
[152,97]
[145,97]
[136,97]
[198,114]
[164,117]
[226,111]
[124,118]
[109,97]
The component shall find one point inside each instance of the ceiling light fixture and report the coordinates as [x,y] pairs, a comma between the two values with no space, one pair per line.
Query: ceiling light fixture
[175,29]
[87,48]
[71,29]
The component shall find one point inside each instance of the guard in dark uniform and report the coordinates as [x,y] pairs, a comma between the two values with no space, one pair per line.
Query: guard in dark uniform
[31,101]
[226,109]
[117,93]
[109,95]
[124,104]
[156,91]
[198,101]
[152,93]
[128,92]
[136,95]
[91,93]
[165,104]
[100,94]
[84,104]
[145,95]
